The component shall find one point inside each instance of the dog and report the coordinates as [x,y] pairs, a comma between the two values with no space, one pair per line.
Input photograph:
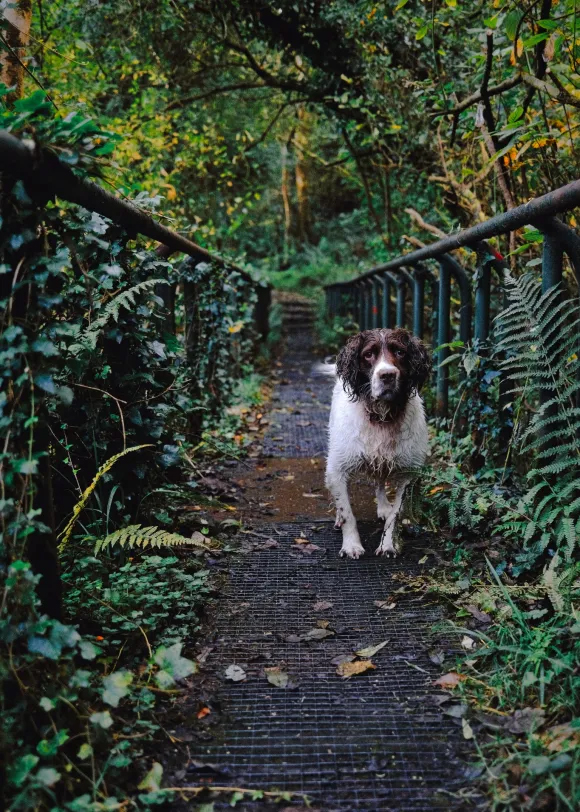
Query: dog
[377,426]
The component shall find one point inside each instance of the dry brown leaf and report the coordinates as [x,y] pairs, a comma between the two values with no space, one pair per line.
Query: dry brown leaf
[322,606]
[450,680]
[203,712]
[323,624]
[347,670]
[385,604]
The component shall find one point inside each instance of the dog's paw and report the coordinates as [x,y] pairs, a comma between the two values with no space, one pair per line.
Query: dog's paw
[353,549]
[386,550]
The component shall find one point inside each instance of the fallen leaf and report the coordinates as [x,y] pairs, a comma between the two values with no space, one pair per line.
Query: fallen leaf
[436,656]
[385,604]
[308,548]
[343,658]
[370,651]
[467,642]
[322,606]
[203,712]
[467,729]
[303,423]
[323,624]
[450,680]
[346,670]
[483,617]
[235,673]
[423,560]
[313,495]
[277,677]
[525,720]
[317,634]
[301,540]
[457,711]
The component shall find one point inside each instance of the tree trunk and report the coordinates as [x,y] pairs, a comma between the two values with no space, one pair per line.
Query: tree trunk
[17,34]
[301,177]
[284,188]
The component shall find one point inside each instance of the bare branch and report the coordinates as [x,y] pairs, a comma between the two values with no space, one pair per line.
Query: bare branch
[495,90]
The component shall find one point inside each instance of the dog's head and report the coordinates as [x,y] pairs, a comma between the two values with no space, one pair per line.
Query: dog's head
[383,366]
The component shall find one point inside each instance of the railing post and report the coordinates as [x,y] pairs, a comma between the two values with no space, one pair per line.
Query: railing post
[262,310]
[401,291]
[386,315]
[552,261]
[367,285]
[482,295]
[443,337]
[418,277]
[190,297]
[375,303]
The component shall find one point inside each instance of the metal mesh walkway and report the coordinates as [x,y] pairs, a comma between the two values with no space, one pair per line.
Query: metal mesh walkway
[376,741]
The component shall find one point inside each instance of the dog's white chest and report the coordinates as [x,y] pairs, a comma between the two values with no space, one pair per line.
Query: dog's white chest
[355,441]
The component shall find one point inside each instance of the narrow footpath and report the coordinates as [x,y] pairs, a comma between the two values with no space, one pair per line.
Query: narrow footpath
[291,614]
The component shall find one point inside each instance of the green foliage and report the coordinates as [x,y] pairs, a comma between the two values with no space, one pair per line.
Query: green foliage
[136,536]
[90,372]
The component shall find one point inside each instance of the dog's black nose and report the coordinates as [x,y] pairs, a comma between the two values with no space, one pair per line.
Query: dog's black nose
[388,377]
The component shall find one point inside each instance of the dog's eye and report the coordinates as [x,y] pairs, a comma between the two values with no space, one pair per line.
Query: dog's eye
[399,353]
[368,355]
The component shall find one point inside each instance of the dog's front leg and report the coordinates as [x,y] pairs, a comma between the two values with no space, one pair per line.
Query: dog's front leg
[337,484]
[388,544]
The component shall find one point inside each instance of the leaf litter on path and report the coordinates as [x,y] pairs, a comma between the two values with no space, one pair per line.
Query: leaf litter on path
[277,677]
[370,651]
[235,673]
[346,669]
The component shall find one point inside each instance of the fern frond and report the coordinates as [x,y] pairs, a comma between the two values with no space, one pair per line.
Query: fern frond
[112,310]
[134,535]
[106,466]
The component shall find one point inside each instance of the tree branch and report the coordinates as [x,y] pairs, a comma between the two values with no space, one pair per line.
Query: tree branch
[213,92]
[495,90]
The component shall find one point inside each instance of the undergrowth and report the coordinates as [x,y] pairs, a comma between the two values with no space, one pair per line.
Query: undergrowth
[507,490]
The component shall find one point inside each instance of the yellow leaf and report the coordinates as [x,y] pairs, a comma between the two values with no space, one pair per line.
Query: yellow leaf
[348,670]
[235,328]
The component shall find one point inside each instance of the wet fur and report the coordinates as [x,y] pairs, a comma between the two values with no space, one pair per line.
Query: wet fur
[386,439]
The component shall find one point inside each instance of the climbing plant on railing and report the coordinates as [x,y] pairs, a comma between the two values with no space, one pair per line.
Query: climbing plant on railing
[89,371]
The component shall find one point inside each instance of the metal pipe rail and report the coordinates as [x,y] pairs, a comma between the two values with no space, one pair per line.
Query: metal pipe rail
[46,177]
[367,298]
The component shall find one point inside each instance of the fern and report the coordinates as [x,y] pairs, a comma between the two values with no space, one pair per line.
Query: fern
[538,337]
[106,466]
[136,536]
[87,340]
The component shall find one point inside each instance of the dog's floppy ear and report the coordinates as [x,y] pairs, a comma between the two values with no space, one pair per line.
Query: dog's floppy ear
[421,363]
[348,366]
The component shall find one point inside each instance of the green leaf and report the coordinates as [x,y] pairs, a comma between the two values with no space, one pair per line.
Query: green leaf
[85,752]
[152,781]
[21,769]
[88,650]
[116,686]
[538,765]
[401,4]
[172,663]
[47,776]
[102,719]
[421,32]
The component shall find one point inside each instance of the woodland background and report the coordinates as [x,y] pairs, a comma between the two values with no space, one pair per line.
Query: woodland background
[306,140]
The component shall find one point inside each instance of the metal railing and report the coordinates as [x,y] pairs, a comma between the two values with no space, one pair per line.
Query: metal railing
[45,177]
[368,298]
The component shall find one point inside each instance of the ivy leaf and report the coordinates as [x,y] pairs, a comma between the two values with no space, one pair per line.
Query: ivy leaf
[152,781]
[172,664]
[21,769]
[88,650]
[47,776]
[116,686]
[85,752]
[102,719]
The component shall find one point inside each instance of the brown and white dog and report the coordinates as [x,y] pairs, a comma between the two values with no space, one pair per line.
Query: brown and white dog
[377,425]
